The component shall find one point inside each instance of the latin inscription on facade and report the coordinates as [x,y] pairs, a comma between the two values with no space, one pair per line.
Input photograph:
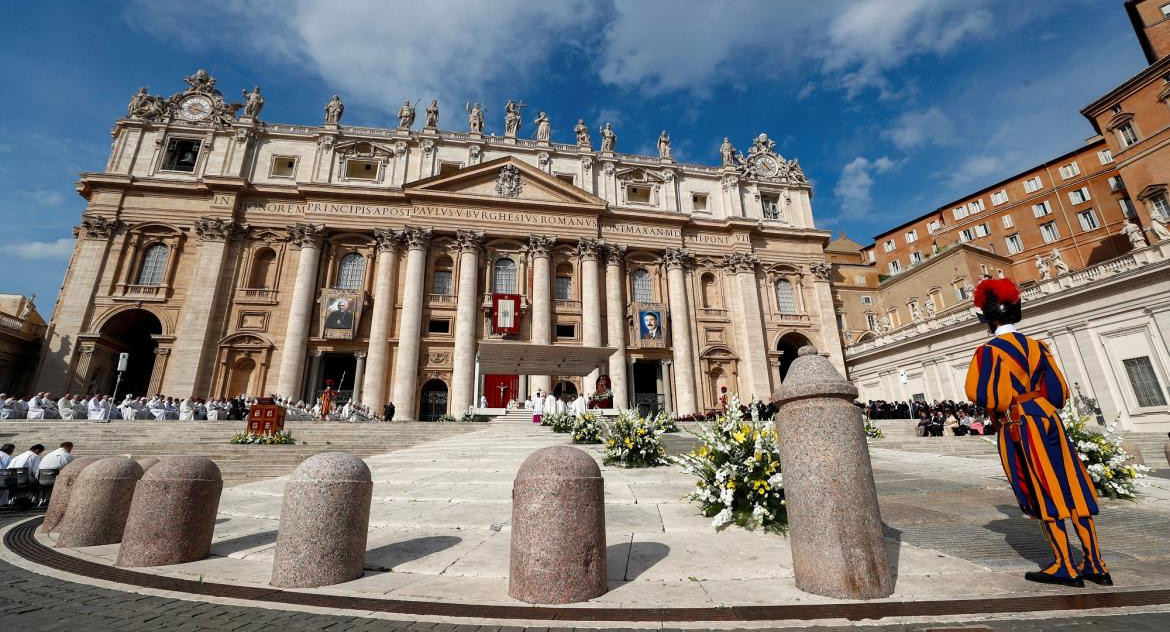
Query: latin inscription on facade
[324,208]
[642,230]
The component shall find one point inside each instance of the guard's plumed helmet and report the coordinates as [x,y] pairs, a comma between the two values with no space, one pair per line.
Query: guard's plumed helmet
[998,300]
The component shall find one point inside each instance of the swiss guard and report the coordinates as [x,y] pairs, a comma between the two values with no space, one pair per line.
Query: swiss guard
[1016,379]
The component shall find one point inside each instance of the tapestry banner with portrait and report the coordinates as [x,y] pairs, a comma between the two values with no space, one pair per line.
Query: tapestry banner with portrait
[341,313]
[506,314]
[649,325]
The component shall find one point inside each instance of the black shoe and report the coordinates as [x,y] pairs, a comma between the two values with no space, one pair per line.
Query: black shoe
[1045,578]
[1101,579]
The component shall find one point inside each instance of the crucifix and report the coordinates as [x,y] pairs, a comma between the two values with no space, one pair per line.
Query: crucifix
[502,387]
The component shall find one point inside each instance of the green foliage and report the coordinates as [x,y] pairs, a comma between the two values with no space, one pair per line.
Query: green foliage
[587,429]
[1109,465]
[560,422]
[665,422]
[279,438]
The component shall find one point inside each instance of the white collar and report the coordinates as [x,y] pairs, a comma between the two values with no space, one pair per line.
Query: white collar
[1005,329]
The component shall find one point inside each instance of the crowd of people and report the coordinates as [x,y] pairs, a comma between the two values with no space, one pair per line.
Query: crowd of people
[32,462]
[98,407]
[937,418]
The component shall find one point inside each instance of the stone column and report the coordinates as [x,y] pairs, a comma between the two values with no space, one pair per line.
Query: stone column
[523,379]
[677,261]
[755,352]
[664,371]
[463,359]
[58,374]
[406,366]
[539,247]
[588,250]
[161,355]
[359,375]
[194,337]
[310,392]
[615,322]
[296,333]
[830,337]
[374,388]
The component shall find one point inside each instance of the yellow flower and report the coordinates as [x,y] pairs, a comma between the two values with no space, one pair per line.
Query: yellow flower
[730,484]
[739,436]
[759,456]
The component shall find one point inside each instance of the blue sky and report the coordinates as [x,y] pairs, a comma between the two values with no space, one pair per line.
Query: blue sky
[892,106]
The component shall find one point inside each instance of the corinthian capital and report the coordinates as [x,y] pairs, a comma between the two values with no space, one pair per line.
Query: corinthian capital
[306,235]
[217,229]
[387,240]
[416,238]
[739,262]
[821,270]
[98,227]
[469,240]
[677,258]
[540,245]
[615,255]
[589,249]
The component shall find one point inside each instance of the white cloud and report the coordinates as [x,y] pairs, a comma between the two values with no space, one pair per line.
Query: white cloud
[977,169]
[45,197]
[854,189]
[60,249]
[921,128]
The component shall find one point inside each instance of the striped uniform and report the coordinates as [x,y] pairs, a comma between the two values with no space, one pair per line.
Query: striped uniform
[1015,375]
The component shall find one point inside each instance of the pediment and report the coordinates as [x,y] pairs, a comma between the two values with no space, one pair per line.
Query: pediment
[503,179]
[639,174]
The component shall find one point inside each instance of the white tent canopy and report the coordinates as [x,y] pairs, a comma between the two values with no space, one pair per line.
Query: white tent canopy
[522,358]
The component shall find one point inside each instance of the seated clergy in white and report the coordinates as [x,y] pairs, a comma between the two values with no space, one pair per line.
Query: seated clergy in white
[59,458]
[186,410]
[36,406]
[50,407]
[29,460]
[5,459]
[578,407]
[80,407]
[65,406]
[172,408]
[6,409]
[157,407]
[97,407]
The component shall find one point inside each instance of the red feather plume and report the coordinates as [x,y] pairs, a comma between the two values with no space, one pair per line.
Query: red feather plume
[1003,290]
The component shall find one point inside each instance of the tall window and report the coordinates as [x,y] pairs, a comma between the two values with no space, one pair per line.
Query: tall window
[771,206]
[1144,382]
[911,236]
[505,276]
[999,197]
[263,267]
[1127,208]
[1088,220]
[895,267]
[564,282]
[1161,206]
[643,293]
[442,282]
[1127,134]
[785,297]
[350,272]
[1041,209]
[1007,221]
[1014,243]
[1071,170]
[1031,185]
[154,262]
[1049,232]
[871,320]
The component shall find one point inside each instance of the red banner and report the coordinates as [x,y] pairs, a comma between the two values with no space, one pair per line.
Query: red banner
[506,314]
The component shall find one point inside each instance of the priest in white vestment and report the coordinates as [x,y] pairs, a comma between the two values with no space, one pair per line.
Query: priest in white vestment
[36,405]
[59,458]
[537,408]
[6,409]
[29,460]
[97,408]
[5,458]
[186,410]
[65,406]
[578,407]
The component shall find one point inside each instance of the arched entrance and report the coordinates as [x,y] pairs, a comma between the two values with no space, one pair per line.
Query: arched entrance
[130,332]
[788,345]
[433,402]
[565,390]
[240,378]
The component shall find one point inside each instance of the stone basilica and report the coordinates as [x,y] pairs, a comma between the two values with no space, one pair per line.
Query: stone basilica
[431,268]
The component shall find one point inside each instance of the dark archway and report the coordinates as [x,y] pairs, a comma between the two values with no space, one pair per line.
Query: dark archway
[433,402]
[565,390]
[131,332]
[788,345]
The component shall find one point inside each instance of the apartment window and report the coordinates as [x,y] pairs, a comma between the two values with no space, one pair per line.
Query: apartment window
[915,258]
[182,154]
[638,194]
[439,326]
[1088,220]
[1031,185]
[959,212]
[1071,170]
[641,282]
[967,235]
[911,236]
[934,226]
[859,279]
[1116,109]
[699,201]
[284,167]
[976,206]
[1116,183]
[999,197]
[785,297]
[350,272]
[771,206]
[504,277]
[1105,156]
[448,168]
[566,331]
[871,255]
[1127,208]
[1049,232]
[841,321]
[985,270]
[1126,134]
[1166,10]
[1160,205]
[867,300]
[1080,196]
[1144,381]
[441,283]
[895,267]
[982,230]
[1041,209]
[1015,245]
[888,245]
[154,262]
[1007,221]
[871,320]
[361,170]
[961,291]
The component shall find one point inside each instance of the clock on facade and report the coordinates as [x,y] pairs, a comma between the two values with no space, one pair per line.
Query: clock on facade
[195,108]
[767,166]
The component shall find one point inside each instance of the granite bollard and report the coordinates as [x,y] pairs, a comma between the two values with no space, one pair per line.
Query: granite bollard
[1135,453]
[146,462]
[1166,449]
[323,522]
[63,490]
[835,529]
[558,528]
[99,503]
[172,515]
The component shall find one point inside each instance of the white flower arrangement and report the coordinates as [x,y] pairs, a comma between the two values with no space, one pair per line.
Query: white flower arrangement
[586,429]
[632,441]
[1106,461]
[872,430]
[559,422]
[738,468]
[665,422]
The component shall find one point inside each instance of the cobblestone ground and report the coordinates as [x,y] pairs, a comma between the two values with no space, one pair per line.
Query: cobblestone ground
[35,603]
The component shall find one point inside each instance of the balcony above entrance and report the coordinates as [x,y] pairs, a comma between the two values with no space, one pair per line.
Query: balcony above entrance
[512,358]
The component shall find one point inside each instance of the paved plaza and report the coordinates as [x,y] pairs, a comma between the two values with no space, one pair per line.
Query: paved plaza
[440,532]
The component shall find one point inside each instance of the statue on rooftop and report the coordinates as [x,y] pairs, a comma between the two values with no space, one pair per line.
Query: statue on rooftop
[201,82]
[333,111]
[727,153]
[582,131]
[931,308]
[543,127]
[432,120]
[664,145]
[405,115]
[253,102]
[608,138]
[1058,262]
[512,118]
[1042,267]
[1135,234]
[474,118]
[137,100]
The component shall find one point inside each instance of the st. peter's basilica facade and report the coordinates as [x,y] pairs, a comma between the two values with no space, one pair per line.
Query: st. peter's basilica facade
[229,255]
